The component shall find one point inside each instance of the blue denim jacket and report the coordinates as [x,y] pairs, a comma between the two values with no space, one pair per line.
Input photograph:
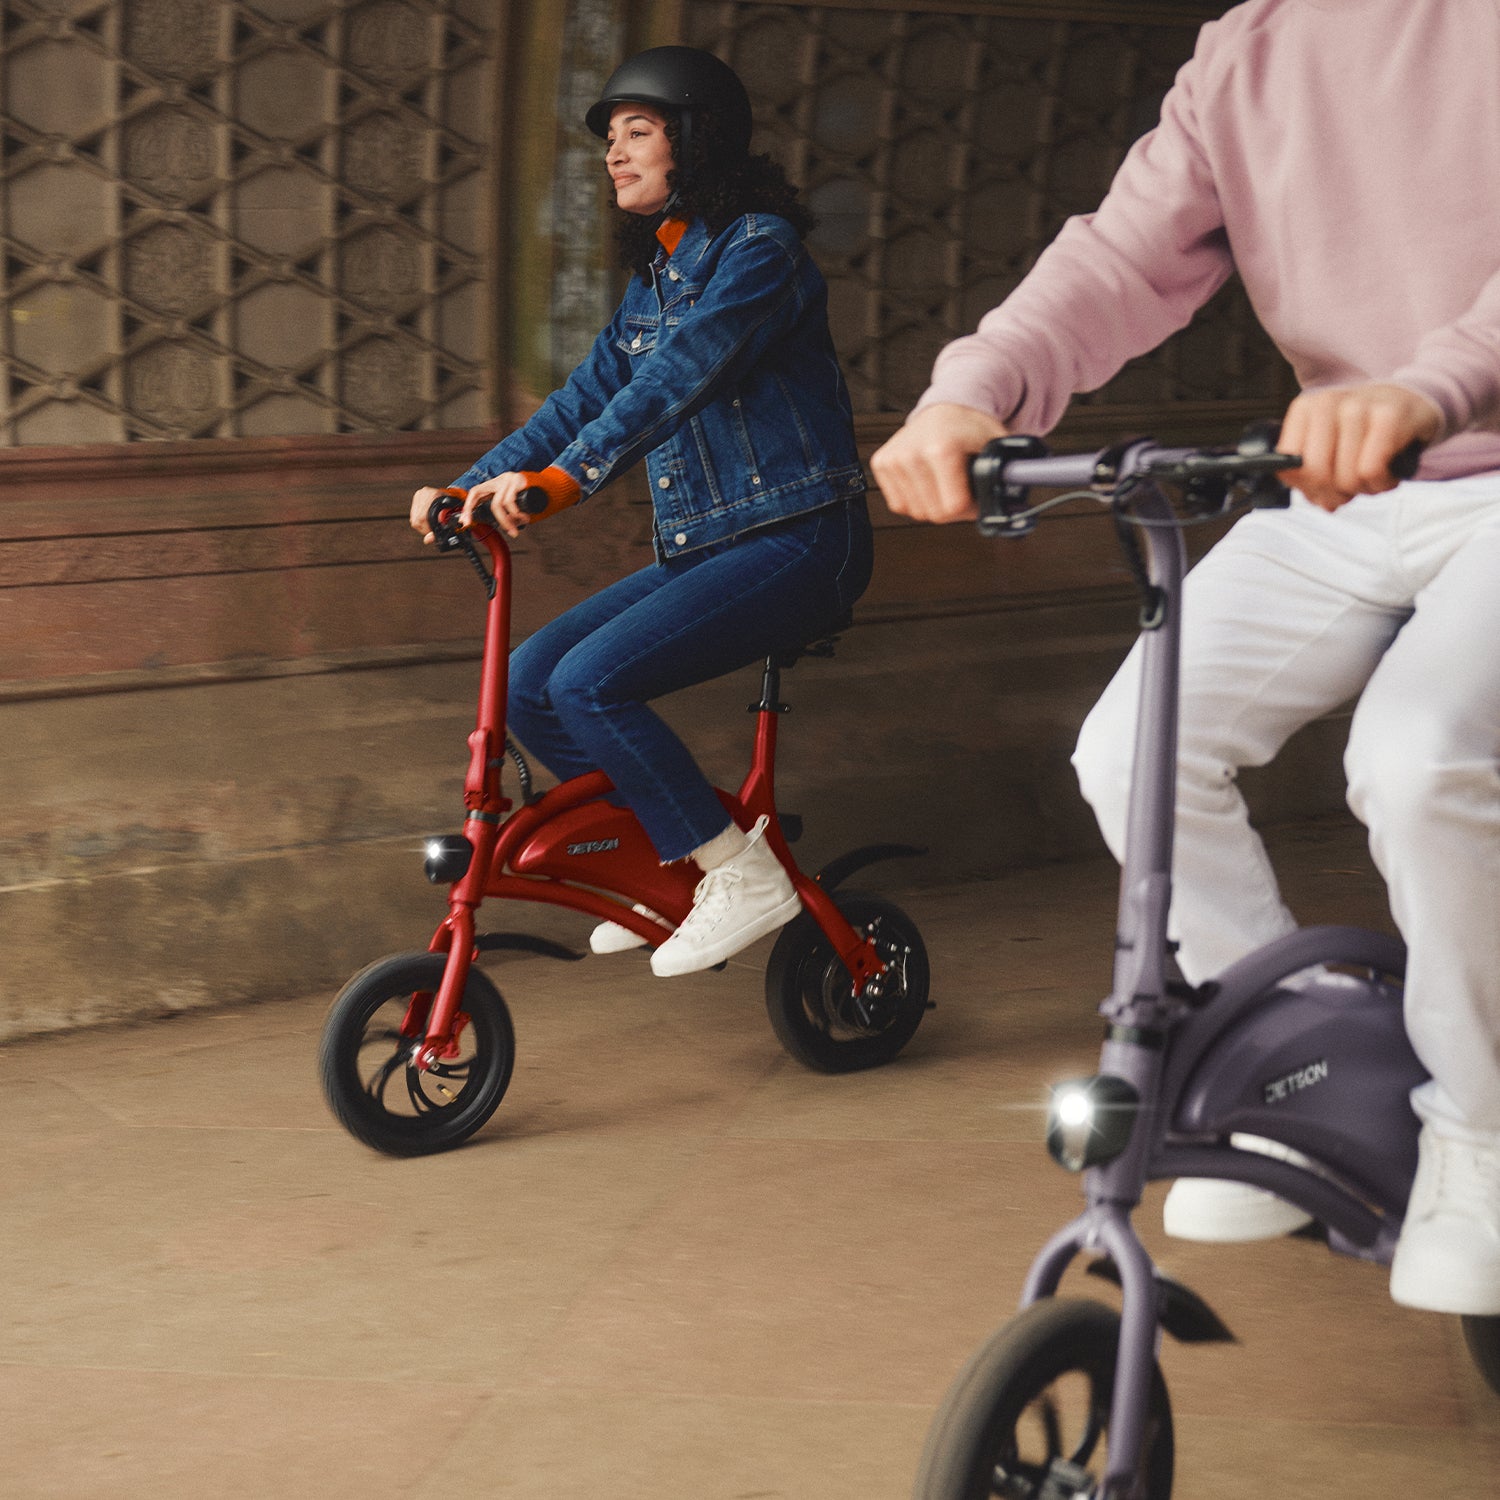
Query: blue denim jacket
[721,371]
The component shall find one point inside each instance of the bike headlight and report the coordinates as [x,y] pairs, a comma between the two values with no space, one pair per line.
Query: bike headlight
[448,857]
[1090,1119]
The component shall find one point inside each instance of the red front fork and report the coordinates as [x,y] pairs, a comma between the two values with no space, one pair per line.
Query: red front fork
[444,1018]
[455,937]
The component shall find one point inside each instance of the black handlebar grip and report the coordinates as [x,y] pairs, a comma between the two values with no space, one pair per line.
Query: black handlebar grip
[440,528]
[442,519]
[532,501]
[1407,461]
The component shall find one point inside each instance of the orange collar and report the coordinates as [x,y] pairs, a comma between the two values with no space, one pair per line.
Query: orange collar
[670,233]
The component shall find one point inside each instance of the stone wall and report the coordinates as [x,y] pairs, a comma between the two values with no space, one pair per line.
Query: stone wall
[235,691]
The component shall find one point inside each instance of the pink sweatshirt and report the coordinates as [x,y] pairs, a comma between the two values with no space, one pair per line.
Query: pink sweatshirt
[1344,157]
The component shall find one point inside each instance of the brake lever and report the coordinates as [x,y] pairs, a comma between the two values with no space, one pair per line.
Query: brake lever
[1211,481]
[447,537]
[477,563]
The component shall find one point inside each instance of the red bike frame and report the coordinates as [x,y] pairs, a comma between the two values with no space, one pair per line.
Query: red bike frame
[569,845]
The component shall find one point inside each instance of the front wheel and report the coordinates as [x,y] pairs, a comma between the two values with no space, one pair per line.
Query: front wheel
[367,1058]
[811,1001]
[1028,1416]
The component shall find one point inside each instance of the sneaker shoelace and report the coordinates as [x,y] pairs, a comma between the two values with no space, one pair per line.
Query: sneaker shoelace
[1465,1174]
[712,898]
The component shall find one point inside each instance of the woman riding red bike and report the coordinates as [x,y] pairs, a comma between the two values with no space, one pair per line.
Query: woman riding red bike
[719,370]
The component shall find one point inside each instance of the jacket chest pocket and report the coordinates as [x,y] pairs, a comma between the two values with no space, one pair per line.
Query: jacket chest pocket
[638,338]
[678,294]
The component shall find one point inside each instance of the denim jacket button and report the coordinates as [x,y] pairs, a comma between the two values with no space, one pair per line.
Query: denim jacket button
[635,343]
[664,483]
[680,539]
[755,479]
[591,473]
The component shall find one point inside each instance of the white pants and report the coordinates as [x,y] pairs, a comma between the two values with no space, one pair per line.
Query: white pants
[1291,614]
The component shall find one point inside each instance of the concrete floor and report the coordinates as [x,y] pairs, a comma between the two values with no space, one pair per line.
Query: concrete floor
[674,1265]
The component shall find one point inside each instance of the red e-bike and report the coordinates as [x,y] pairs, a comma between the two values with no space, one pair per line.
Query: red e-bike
[418,1048]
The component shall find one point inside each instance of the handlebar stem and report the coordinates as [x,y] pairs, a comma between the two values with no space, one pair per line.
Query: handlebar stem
[1146,876]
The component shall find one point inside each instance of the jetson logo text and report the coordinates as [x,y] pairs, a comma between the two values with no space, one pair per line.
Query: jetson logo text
[1304,1078]
[594,846]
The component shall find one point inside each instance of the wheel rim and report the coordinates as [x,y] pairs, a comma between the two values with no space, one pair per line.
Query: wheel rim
[1057,1436]
[391,1084]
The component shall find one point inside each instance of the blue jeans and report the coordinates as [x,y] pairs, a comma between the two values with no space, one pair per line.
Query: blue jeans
[579,686]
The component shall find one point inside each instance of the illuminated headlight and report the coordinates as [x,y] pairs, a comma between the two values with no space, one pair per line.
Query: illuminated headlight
[1090,1120]
[448,857]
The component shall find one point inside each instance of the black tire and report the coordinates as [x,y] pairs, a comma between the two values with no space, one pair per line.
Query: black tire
[1482,1335]
[365,1061]
[809,996]
[1037,1395]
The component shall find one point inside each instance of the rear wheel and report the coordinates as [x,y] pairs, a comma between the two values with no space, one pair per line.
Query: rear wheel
[367,1058]
[811,1001]
[1028,1416]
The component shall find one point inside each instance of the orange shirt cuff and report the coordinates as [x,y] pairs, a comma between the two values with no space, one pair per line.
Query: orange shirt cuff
[561,489]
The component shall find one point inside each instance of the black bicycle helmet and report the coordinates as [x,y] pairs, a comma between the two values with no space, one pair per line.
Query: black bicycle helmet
[684,79]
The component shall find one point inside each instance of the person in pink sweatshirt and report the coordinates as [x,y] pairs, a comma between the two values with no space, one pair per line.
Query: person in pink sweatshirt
[1343,157]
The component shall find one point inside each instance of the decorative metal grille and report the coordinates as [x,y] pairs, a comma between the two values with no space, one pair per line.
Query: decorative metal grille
[225,219]
[942,148]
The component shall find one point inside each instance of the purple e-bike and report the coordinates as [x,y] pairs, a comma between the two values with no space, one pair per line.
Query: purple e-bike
[1289,1071]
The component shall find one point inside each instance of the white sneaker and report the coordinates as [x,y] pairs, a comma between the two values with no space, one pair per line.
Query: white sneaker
[612,937]
[1448,1257]
[1223,1213]
[735,903]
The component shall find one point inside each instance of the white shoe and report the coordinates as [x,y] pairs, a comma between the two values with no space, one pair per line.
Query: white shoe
[1448,1257]
[1220,1212]
[735,903]
[612,937]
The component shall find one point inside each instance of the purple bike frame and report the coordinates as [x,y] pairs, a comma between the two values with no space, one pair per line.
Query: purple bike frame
[1178,1053]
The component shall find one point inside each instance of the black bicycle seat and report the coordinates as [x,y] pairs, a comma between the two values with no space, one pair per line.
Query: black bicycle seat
[821,645]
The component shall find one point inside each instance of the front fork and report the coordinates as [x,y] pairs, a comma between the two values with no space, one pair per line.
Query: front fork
[439,1019]
[1113,1190]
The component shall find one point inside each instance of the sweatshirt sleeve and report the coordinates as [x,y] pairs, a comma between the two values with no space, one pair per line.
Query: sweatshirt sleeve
[1111,286]
[1457,366]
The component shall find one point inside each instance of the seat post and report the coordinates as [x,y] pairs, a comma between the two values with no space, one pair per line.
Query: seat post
[770,690]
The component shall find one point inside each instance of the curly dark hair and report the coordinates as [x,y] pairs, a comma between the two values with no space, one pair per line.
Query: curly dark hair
[714,184]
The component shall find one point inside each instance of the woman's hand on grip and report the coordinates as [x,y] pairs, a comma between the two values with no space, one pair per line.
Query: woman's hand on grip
[500,492]
[421,503]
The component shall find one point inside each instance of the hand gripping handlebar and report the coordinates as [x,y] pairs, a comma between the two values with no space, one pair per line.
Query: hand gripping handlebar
[448,536]
[531,501]
[1212,479]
